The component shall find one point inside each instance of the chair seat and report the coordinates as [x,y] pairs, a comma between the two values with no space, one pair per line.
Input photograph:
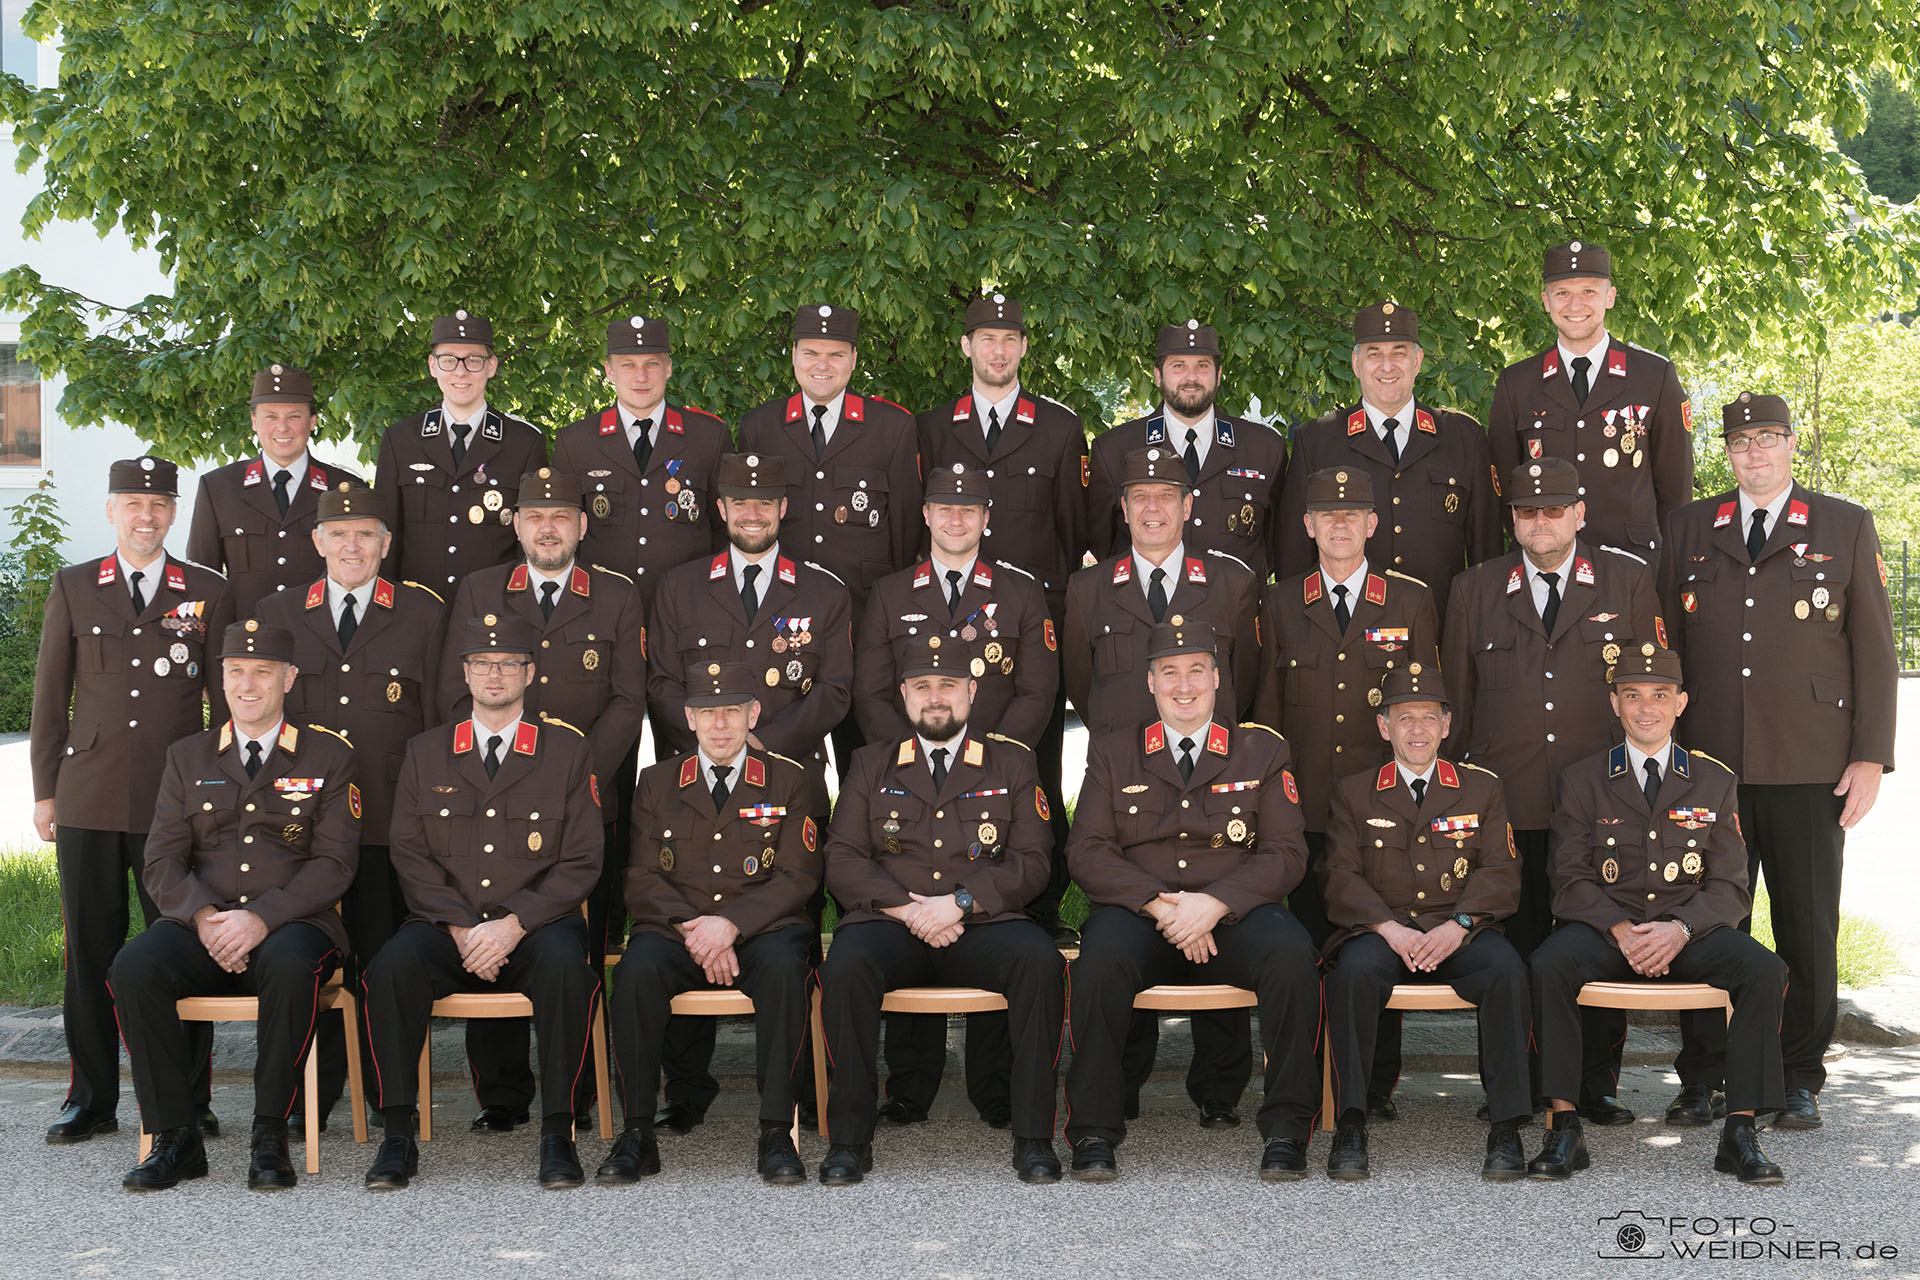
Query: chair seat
[710,1004]
[1177,998]
[483,1004]
[942,1000]
[1652,995]
[1426,997]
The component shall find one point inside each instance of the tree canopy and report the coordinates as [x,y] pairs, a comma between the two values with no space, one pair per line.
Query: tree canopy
[320,177]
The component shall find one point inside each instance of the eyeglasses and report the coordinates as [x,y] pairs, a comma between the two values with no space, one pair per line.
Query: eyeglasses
[1765,441]
[496,668]
[1539,513]
[472,364]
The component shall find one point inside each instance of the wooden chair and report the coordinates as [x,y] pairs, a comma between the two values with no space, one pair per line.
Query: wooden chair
[333,995]
[1643,996]
[511,1004]
[1410,997]
[729,1002]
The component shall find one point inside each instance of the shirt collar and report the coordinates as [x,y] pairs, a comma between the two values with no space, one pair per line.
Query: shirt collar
[1174,735]
[296,471]
[1175,559]
[337,598]
[707,762]
[769,564]
[1637,759]
[1355,585]
[448,420]
[655,412]
[481,733]
[1773,509]
[266,740]
[941,568]
[154,574]
[1005,404]
[1533,572]
[953,747]
[1377,417]
[1203,431]
[1596,354]
[1406,779]
[535,578]
[834,408]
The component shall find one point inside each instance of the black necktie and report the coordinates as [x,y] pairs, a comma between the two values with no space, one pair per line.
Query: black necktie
[547,590]
[819,430]
[1581,383]
[253,759]
[643,443]
[720,787]
[953,591]
[1652,788]
[1756,534]
[1192,455]
[993,428]
[1341,614]
[139,596]
[1186,759]
[939,755]
[1157,595]
[493,755]
[348,622]
[458,431]
[1552,611]
[1390,432]
[1419,786]
[281,479]
[749,598]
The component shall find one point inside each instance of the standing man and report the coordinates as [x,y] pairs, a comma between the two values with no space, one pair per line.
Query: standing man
[497,839]
[1779,599]
[254,839]
[251,518]
[1438,498]
[1410,909]
[939,844]
[741,813]
[125,644]
[448,473]
[1233,468]
[1617,411]
[1186,838]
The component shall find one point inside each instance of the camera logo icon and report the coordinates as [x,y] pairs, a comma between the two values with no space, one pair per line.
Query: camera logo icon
[1631,1234]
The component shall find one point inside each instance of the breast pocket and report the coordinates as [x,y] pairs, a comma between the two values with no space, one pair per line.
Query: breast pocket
[1246,514]
[889,817]
[987,825]
[447,820]
[1449,494]
[210,811]
[1385,861]
[863,492]
[243,541]
[423,493]
[1819,592]
[1617,856]
[535,832]
[397,687]
[1139,817]
[1306,682]
[98,645]
[1493,662]
[588,650]
[1234,817]
[1113,648]
[711,641]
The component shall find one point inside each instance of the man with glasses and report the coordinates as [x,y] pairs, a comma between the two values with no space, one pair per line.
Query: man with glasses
[448,474]
[1779,601]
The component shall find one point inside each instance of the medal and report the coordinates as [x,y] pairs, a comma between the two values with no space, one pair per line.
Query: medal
[1237,830]
[601,507]
[672,510]
[1833,615]
[1609,431]
[161,666]
[892,844]
[1610,871]
[1629,441]
[751,866]
[1671,872]
[839,515]
[970,634]
[290,832]
[590,659]
[492,500]
[1459,868]
[1453,503]
[973,851]
[534,842]
[978,667]
[178,653]
[988,833]
[687,499]
[1691,864]
[666,857]
[673,486]
[1611,457]
[393,691]
[779,644]
[873,518]
[1006,666]
[1820,597]
[860,500]
[1639,458]
[994,651]
[794,669]
[1801,609]
[1446,883]
[1609,653]
[476,513]
[805,637]
[1246,517]
[773,676]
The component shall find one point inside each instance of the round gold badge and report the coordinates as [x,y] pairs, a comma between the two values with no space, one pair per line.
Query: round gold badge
[1237,830]
[476,513]
[1459,868]
[978,666]
[1453,503]
[1373,697]
[534,841]
[1691,864]
[1609,653]
[773,676]
[492,500]
[988,833]
[994,651]
[1629,441]
[590,659]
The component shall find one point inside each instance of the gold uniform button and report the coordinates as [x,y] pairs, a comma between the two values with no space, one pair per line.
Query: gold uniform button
[1341,685]
[243,897]
[936,875]
[249,808]
[1340,719]
[1423,839]
[1338,749]
[1420,895]
[246,866]
[546,644]
[486,884]
[936,844]
[1343,657]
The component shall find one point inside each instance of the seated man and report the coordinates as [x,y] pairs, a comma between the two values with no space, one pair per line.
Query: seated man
[254,839]
[1420,870]
[724,860]
[939,842]
[497,841]
[1187,837]
[1666,904]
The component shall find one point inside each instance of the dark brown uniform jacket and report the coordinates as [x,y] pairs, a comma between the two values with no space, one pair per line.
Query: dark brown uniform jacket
[1232,830]
[986,830]
[1638,393]
[283,844]
[136,682]
[1037,475]
[591,670]
[1104,640]
[1234,501]
[1314,688]
[1527,705]
[1784,698]
[1439,507]
[639,524]
[453,522]
[380,692]
[1014,653]
[1613,859]
[755,863]
[855,510]
[1387,860]
[526,842]
[238,529]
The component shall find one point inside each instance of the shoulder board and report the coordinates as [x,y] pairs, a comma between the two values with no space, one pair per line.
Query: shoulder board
[421,586]
[1001,737]
[558,722]
[614,573]
[1701,755]
[822,568]
[320,728]
[1016,568]
[1052,401]
[1621,551]
[1657,356]
[775,755]
[1406,577]
[1255,724]
[1225,555]
[1479,769]
[883,400]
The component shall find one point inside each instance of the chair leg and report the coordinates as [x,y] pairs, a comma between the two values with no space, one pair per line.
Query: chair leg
[146,1142]
[601,1079]
[1326,1089]
[356,1082]
[426,1085]
[311,1105]
[819,1063]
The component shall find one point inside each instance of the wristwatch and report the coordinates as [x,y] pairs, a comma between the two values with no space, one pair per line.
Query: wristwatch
[1462,919]
[1685,928]
[963,900]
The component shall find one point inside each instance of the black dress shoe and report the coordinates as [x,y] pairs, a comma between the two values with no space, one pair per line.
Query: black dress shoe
[846,1164]
[1215,1114]
[1801,1112]
[77,1124]
[1506,1159]
[209,1123]
[1034,1160]
[679,1117]
[635,1155]
[780,1164]
[1347,1158]
[1563,1152]
[559,1163]
[1696,1105]
[1284,1160]
[498,1119]
[269,1169]
[397,1161]
[900,1111]
[1606,1111]
[1093,1161]
[998,1113]
[1740,1154]
[178,1154]
[1382,1107]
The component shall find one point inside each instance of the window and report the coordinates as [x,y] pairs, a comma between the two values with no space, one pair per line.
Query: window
[19,56]
[20,421]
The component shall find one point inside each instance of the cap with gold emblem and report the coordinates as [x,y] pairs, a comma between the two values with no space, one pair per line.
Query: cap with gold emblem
[1387,322]
[1649,664]
[496,634]
[930,655]
[144,475]
[1574,258]
[1181,634]
[462,326]
[549,488]
[1751,410]
[1544,482]
[957,485]
[995,311]
[720,684]
[823,321]
[637,335]
[348,501]
[1414,682]
[252,638]
[282,384]
[751,475]
[1153,466]
[1340,489]
[1191,338]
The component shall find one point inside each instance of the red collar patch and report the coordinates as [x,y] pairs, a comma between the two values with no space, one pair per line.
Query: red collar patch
[788,574]
[527,739]
[317,477]
[256,473]
[1217,739]
[1516,579]
[109,570]
[793,407]
[1617,363]
[1724,516]
[963,407]
[1196,571]
[1446,774]
[1550,363]
[317,594]
[177,577]
[1313,588]
[1796,511]
[1583,571]
[518,579]
[982,574]
[1389,777]
[923,574]
[1156,737]
[718,569]
[854,409]
[579,583]
[1356,422]
[1424,420]
[1023,410]
[1376,589]
[673,422]
[755,772]
[463,737]
[1122,571]
[689,770]
[609,422]
[383,593]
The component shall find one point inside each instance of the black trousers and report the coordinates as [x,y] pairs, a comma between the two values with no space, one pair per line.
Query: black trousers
[773,974]
[168,962]
[373,909]
[916,1052]
[1603,1032]
[1047,757]
[93,867]
[1122,954]
[1485,969]
[550,967]
[869,959]
[1755,977]
[1311,911]
[1796,844]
